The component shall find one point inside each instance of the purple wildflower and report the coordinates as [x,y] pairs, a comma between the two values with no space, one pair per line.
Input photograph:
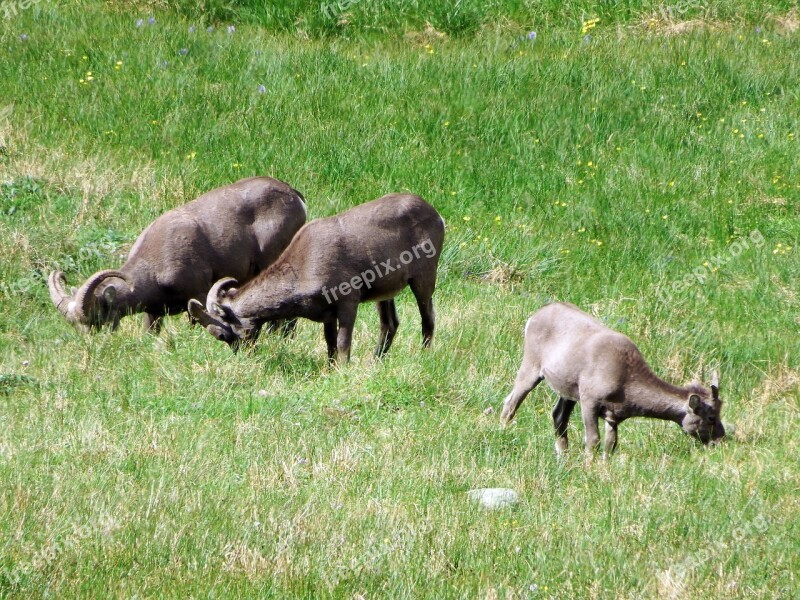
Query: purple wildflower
[587,38]
[152,20]
[231,29]
[191,28]
[758,29]
[532,35]
[23,37]
[183,51]
[139,22]
[210,29]
[262,89]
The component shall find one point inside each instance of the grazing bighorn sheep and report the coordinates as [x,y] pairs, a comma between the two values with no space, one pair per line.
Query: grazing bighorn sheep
[368,253]
[584,361]
[236,230]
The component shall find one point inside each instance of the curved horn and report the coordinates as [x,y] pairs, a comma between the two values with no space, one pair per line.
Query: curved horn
[57,284]
[216,327]
[218,289]
[84,297]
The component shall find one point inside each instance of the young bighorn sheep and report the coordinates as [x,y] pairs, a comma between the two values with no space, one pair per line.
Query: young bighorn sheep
[584,361]
[236,230]
[368,253]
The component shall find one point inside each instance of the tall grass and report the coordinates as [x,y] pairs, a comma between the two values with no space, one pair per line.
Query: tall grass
[460,18]
[599,171]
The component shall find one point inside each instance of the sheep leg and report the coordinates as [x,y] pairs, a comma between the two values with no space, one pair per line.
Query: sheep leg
[527,379]
[387,313]
[591,434]
[423,292]
[561,413]
[611,439]
[153,322]
[344,337]
[330,339]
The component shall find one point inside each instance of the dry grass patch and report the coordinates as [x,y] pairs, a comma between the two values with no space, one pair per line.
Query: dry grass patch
[777,391]
[426,36]
[788,23]
[503,274]
[661,24]
[94,177]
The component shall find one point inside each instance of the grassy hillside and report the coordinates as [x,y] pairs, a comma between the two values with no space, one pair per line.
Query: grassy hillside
[643,167]
[360,18]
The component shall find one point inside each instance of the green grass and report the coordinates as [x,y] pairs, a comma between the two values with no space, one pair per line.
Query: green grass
[165,466]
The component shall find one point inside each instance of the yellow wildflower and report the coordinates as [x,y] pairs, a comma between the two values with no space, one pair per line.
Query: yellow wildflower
[587,26]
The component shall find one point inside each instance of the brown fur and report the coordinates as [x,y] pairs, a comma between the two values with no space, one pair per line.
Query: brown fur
[327,253]
[585,362]
[237,230]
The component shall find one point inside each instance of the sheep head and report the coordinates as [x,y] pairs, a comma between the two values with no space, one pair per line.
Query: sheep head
[219,319]
[94,304]
[702,419]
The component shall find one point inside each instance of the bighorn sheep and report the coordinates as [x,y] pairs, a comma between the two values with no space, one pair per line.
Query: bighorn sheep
[368,253]
[236,230]
[584,361]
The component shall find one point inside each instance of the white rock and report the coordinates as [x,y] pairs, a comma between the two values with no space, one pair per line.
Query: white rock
[262,393]
[494,498]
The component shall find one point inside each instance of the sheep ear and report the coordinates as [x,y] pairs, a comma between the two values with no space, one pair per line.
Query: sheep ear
[715,387]
[694,402]
[110,294]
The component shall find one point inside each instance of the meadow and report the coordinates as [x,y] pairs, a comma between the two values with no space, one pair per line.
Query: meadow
[642,166]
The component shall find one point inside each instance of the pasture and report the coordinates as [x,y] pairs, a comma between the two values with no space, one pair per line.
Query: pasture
[643,166]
